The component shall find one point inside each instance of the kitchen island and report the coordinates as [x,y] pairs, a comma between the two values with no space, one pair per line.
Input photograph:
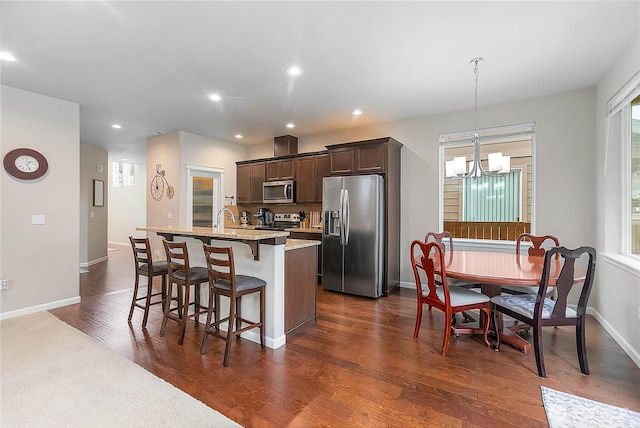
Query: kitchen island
[259,253]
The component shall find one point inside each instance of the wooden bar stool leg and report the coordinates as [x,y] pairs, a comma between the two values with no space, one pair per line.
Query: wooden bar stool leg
[262,317]
[185,312]
[207,326]
[232,315]
[147,303]
[135,296]
[167,308]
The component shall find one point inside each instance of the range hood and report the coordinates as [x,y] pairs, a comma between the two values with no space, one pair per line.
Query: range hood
[285,145]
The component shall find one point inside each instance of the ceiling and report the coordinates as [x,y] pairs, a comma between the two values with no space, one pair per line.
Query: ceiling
[151,66]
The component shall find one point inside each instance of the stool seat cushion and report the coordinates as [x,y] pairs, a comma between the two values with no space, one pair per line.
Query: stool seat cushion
[243,283]
[157,268]
[196,274]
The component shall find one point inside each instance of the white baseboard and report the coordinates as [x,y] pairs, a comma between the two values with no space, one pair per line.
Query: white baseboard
[39,308]
[621,341]
[93,262]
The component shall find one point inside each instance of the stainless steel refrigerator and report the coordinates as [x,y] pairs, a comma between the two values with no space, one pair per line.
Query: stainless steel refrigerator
[353,238]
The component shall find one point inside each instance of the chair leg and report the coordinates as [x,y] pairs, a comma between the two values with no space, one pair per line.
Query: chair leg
[147,303]
[167,308]
[197,303]
[238,314]
[582,346]
[486,318]
[496,327]
[135,296]
[207,326]
[227,346]
[416,329]
[185,310]
[447,333]
[262,291]
[164,291]
[537,347]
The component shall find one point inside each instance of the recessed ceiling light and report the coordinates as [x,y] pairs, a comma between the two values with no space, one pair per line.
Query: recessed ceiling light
[215,97]
[7,56]
[290,125]
[159,133]
[238,136]
[115,125]
[294,71]
[357,112]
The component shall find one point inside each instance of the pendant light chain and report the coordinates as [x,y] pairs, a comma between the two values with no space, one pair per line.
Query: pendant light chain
[476,71]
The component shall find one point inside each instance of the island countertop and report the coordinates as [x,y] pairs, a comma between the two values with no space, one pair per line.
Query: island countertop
[227,233]
[294,244]
[252,237]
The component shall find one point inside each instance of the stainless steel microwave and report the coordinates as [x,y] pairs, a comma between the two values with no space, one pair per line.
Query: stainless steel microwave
[278,192]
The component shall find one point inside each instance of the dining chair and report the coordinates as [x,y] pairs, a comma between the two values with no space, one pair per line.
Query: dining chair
[183,276]
[540,311]
[144,266]
[540,245]
[223,281]
[451,300]
[439,237]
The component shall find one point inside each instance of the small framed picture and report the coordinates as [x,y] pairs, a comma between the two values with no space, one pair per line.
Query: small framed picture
[98,193]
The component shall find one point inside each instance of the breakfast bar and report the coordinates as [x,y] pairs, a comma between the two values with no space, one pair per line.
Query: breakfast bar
[259,253]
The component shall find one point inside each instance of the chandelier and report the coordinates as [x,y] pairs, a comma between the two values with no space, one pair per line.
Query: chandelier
[498,164]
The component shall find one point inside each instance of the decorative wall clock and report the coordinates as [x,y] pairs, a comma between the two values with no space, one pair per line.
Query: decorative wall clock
[26,164]
[158,184]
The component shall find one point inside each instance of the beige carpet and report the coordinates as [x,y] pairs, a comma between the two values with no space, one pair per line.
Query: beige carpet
[53,375]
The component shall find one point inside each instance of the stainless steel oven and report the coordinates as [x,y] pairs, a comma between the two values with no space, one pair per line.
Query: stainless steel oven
[278,192]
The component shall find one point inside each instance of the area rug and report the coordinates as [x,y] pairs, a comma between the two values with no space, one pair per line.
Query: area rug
[53,375]
[569,411]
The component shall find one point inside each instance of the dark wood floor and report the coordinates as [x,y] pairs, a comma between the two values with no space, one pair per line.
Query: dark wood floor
[358,366]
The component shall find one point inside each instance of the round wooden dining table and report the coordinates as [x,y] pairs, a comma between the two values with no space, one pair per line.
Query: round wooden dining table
[492,270]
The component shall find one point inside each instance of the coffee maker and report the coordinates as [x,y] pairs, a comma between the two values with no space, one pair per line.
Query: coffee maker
[264,216]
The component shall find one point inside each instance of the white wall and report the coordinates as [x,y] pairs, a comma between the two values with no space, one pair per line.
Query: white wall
[93,220]
[565,156]
[40,261]
[127,206]
[616,295]
[174,151]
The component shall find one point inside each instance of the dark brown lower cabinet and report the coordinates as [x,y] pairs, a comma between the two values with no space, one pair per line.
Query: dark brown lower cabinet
[311,237]
[300,289]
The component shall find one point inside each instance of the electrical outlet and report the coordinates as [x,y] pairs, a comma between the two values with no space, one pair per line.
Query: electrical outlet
[4,284]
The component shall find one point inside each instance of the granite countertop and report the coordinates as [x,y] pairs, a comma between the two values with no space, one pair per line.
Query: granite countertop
[295,244]
[305,229]
[240,234]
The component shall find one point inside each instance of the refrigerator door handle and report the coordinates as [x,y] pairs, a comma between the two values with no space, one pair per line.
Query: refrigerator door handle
[347,224]
[341,217]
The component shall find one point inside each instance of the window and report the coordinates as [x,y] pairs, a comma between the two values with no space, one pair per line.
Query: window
[489,207]
[635,176]
[124,174]
[624,129]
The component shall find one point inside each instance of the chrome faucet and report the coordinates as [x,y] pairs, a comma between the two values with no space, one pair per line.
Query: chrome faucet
[220,226]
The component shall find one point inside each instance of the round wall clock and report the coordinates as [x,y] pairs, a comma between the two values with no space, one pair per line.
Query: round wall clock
[26,164]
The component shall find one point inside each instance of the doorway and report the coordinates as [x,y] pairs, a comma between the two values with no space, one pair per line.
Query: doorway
[204,195]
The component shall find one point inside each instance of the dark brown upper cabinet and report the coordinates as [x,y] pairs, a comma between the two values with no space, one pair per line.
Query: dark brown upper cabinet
[279,170]
[249,179]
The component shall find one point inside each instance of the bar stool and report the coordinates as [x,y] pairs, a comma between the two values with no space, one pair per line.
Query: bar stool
[184,276]
[223,281]
[144,266]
